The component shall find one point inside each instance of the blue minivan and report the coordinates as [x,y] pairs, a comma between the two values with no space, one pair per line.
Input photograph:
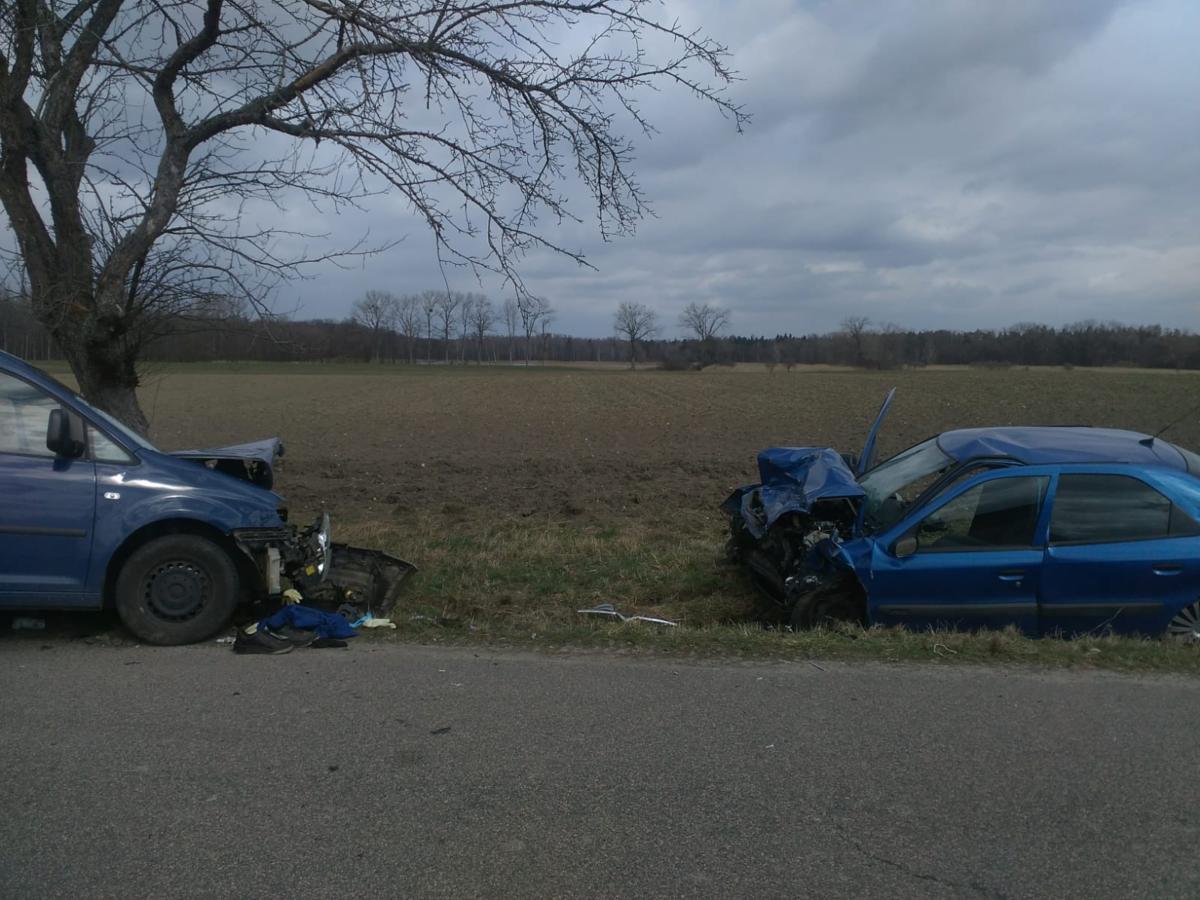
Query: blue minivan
[92,515]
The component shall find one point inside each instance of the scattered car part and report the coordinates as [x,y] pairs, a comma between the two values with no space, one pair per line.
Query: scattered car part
[608,611]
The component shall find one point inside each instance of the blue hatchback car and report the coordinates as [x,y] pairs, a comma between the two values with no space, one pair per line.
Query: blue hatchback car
[93,515]
[1054,530]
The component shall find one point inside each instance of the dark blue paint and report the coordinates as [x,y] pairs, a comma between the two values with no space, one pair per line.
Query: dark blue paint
[46,562]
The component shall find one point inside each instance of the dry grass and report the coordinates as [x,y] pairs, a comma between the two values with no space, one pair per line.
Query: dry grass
[525,494]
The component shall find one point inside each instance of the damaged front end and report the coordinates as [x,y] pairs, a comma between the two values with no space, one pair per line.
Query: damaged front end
[789,530]
[327,575]
[794,531]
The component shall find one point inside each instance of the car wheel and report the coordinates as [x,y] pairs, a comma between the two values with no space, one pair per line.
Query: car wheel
[177,589]
[1186,624]
[828,606]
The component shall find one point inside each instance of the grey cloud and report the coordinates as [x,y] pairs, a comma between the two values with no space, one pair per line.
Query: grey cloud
[953,164]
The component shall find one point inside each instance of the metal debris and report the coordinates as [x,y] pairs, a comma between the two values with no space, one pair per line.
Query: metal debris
[608,611]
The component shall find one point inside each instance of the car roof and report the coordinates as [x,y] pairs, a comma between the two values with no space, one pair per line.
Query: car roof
[14,363]
[1042,445]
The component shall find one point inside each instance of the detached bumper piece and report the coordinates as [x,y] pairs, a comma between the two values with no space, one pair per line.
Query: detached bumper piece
[367,581]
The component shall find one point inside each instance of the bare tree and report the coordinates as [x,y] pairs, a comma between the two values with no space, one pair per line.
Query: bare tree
[635,322]
[855,329]
[408,322]
[704,320]
[429,306]
[483,316]
[447,305]
[546,318]
[466,305]
[512,316]
[532,311]
[376,312]
[145,121]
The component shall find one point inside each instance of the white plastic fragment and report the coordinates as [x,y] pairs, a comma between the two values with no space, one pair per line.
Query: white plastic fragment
[608,611]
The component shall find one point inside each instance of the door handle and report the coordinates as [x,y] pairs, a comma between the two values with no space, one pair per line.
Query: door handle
[1014,575]
[1166,568]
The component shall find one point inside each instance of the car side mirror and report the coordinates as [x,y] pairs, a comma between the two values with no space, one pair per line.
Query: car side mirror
[65,435]
[906,546]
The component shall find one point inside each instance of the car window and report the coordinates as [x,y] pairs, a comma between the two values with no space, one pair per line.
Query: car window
[24,416]
[954,480]
[892,486]
[1001,513]
[1096,509]
[104,449]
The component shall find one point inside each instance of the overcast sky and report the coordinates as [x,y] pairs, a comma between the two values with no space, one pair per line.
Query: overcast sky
[941,163]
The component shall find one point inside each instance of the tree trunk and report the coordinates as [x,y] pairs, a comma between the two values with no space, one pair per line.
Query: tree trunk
[107,375]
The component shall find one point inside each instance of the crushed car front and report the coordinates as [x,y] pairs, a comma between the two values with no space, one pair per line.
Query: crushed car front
[806,523]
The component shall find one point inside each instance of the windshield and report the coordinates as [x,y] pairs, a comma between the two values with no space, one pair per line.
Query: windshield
[123,431]
[119,427]
[893,485]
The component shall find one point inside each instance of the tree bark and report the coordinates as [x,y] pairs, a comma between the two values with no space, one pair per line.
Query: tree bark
[106,370]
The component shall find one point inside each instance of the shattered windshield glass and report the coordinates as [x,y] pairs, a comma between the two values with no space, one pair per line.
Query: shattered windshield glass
[893,485]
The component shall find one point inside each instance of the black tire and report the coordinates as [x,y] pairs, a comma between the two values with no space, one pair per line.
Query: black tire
[177,589]
[827,607]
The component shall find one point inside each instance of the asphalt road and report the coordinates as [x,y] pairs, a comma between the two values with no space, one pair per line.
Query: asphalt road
[404,771]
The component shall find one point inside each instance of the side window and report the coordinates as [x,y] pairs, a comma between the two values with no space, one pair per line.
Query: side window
[1097,509]
[1001,513]
[24,415]
[962,476]
[104,450]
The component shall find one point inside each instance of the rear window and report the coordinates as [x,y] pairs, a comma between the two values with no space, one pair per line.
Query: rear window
[1098,509]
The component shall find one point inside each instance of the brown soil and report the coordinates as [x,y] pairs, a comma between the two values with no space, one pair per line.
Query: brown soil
[380,443]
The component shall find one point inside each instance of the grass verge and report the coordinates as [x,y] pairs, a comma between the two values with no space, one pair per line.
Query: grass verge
[520,582]
[746,641]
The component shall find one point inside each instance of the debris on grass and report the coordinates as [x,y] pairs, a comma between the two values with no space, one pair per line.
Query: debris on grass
[607,610]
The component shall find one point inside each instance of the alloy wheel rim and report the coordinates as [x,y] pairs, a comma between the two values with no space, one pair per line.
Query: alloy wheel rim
[1186,623]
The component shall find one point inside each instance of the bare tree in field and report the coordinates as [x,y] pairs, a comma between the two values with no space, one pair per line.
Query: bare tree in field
[546,319]
[704,320]
[532,311]
[429,306]
[133,132]
[512,316]
[483,317]
[855,329]
[447,309]
[408,322]
[375,312]
[635,322]
[466,301]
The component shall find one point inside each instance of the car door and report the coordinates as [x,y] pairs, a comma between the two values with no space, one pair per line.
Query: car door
[971,560]
[47,505]
[1121,556]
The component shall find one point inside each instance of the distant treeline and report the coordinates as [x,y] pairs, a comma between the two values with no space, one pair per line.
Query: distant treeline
[856,344]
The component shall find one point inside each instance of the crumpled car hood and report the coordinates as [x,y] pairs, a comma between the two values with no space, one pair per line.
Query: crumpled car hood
[793,479]
[253,462]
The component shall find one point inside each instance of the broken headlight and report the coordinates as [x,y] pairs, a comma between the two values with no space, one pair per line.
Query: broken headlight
[324,547]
